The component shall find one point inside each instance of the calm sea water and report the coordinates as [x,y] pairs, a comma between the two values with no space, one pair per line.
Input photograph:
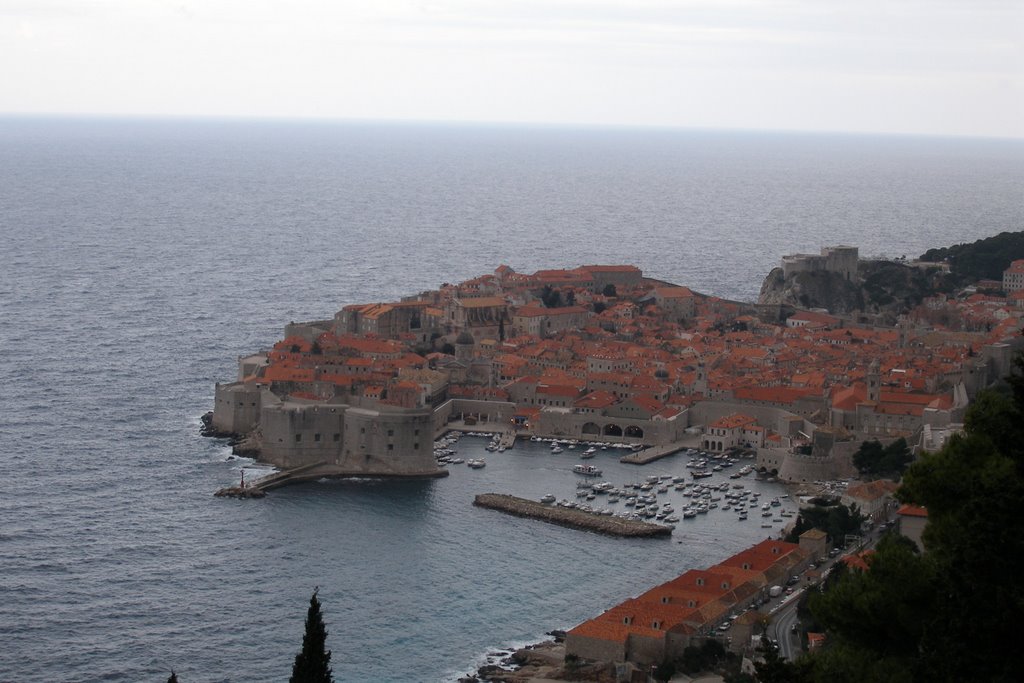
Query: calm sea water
[140,258]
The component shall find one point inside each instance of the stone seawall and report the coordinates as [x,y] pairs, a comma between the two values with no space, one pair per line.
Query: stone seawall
[576,519]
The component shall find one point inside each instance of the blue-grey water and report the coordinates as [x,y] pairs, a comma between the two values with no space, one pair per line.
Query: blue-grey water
[140,258]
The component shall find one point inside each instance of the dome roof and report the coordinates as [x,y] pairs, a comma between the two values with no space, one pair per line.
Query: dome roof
[465,338]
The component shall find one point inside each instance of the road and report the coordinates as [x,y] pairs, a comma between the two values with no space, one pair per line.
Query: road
[784,615]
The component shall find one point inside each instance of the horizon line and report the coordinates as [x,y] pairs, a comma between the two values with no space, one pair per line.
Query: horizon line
[483,123]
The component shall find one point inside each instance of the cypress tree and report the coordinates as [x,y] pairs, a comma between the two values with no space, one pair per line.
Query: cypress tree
[173,678]
[313,663]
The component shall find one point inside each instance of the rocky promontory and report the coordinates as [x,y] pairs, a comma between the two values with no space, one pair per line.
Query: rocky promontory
[882,290]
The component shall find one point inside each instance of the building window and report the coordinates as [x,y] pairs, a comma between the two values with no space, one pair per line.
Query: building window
[298,437]
[391,446]
[415,446]
[316,437]
[337,437]
[391,432]
[362,430]
[415,432]
[700,582]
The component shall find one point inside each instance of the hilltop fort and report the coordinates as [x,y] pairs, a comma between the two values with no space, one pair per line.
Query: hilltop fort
[601,352]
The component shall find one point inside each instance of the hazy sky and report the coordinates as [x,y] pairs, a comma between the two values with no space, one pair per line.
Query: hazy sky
[924,66]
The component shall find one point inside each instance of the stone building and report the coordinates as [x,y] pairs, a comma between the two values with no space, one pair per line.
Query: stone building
[1013,277]
[912,521]
[841,260]
[350,438]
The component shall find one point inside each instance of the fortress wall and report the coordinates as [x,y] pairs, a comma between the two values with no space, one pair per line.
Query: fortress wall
[309,331]
[236,407]
[842,260]
[839,259]
[804,468]
[388,443]
[801,263]
[298,434]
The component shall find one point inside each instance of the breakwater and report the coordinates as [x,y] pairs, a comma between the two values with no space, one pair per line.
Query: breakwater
[576,519]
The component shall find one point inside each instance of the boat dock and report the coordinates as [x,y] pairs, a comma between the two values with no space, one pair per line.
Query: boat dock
[507,440]
[653,453]
[576,519]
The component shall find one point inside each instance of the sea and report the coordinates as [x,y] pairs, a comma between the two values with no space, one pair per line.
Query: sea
[142,257]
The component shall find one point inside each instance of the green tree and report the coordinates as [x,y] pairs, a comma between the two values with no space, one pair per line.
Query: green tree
[609,291]
[313,663]
[173,678]
[550,297]
[880,613]
[942,615]
[834,519]
[974,539]
[873,459]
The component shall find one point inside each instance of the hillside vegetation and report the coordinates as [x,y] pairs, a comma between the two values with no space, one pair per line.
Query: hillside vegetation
[982,260]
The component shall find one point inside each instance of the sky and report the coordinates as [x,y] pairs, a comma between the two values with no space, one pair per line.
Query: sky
[933,67]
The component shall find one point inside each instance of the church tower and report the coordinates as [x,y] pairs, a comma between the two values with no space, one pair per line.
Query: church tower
[874,382]
[700,384]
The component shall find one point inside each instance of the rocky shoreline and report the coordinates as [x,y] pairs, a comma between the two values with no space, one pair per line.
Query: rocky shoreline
[538,663]
[576,519]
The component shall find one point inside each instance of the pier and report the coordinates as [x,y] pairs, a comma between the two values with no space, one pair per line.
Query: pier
[653,453]
[507,440]
[576,519]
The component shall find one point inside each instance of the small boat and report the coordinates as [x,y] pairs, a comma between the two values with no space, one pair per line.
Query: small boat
[586,470]
[476,463]
[548,499]
[557,449]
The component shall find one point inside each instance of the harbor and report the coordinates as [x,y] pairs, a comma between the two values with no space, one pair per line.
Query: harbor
[588,481]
